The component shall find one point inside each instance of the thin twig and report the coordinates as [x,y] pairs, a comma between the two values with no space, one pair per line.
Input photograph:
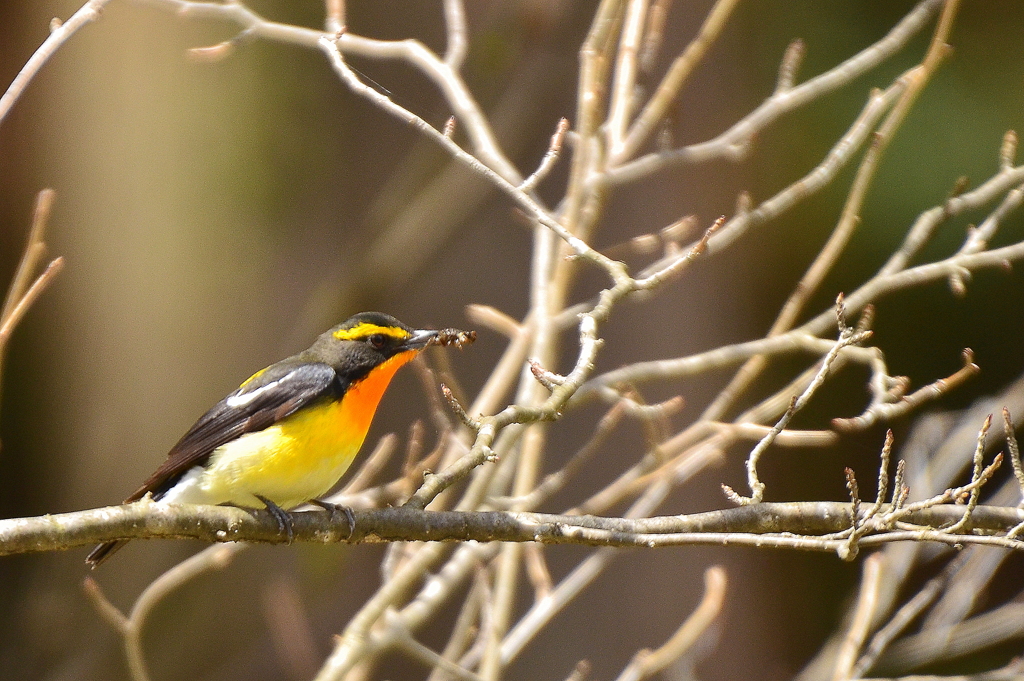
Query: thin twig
[887,410]
[864,614]
[458,34]
[677,75]
[790,65]
[60,33]
[898,623]
[979,237]
[550,158]
[979,465]
[23,304]
[1013,450]
[34,249]
[734,142]
[131,626]
[623,88]
[847,336]
[647,663]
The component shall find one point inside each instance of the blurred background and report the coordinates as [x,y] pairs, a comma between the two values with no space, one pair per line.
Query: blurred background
[217,216]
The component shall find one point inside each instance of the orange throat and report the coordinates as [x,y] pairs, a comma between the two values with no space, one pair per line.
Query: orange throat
[360,402]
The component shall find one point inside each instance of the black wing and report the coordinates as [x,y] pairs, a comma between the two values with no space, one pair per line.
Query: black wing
[262,401]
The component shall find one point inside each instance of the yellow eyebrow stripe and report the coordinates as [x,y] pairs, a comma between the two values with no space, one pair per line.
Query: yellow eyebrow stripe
[365,329]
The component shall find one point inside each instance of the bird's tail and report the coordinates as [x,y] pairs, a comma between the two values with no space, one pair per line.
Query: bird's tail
[104,551]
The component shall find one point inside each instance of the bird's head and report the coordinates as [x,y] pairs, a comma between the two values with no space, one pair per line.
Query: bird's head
[369,340]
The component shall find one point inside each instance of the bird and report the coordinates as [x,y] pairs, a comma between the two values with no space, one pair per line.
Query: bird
[290,431]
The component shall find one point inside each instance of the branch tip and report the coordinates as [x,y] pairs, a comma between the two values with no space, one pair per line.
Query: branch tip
[1013,450]
[792,58]
[1008,150]
[841,313]
[744,203]
[212,53]
[457,408]
[546,378]
[549,159]
[867,318]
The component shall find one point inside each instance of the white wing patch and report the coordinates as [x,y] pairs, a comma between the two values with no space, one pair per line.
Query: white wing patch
[240,400]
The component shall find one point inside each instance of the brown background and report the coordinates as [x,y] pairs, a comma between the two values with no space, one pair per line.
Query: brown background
[216,217]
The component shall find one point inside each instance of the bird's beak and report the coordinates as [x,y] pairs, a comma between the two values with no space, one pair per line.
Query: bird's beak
[419,339]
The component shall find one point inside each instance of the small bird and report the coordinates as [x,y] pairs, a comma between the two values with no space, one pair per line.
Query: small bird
[289,432]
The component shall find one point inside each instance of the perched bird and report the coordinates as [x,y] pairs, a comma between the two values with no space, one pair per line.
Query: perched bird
[290,431]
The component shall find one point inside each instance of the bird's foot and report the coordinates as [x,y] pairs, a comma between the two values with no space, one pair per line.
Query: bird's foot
[284,520]
[332,508]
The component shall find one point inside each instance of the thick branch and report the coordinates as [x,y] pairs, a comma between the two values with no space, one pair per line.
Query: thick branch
[151,520]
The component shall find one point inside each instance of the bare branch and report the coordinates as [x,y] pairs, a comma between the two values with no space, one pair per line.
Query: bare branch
[790,65]
[458,38]
[335,20]
[670,86]
[867,601]
[979,465]
[226,524]
[550,158]
[847,336]
[978,237]
[733,142]
[35,247]
[890,404]
[1013,450]
[130,627]
[25,302]
[647,663]
[60,33]
[623,89]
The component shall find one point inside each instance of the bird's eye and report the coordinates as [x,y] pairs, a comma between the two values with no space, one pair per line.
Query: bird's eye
[377,340]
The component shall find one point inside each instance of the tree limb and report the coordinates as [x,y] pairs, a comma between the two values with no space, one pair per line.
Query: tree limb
[151,520]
